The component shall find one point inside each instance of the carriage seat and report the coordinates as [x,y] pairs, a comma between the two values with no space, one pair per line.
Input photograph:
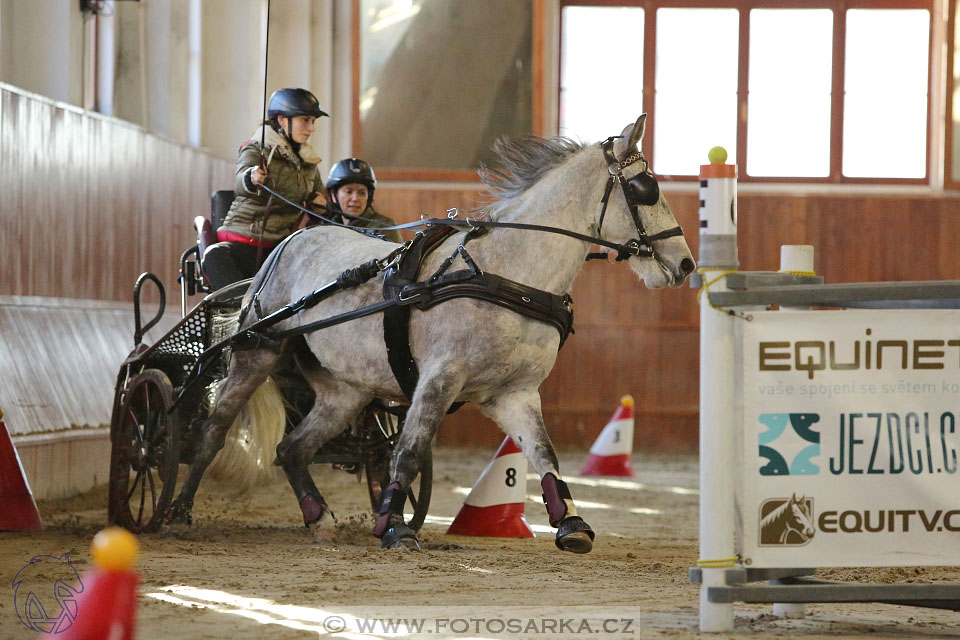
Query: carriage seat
[220,202]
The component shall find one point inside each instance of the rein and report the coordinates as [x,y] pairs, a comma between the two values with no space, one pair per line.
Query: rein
[641,246]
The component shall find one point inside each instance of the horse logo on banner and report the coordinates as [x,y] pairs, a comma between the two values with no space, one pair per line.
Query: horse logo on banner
[786,521]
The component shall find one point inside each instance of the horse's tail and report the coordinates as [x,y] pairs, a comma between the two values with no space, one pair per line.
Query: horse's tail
[246,459]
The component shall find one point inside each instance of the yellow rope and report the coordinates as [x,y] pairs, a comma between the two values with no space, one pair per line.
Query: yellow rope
[706,285]
[798,273]
[719,563]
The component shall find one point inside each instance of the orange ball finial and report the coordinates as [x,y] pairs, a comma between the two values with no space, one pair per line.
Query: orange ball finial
[114,549]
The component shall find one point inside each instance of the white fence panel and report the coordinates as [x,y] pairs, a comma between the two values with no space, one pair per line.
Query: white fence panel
[850,438]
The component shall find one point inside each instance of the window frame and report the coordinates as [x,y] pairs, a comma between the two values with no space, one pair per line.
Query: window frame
[839,8]
[399,174]
[948,180]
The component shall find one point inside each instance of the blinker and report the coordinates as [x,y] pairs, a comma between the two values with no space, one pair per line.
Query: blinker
[644,189]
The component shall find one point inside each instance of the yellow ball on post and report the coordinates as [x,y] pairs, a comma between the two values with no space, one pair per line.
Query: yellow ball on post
[114,549]
[717,155]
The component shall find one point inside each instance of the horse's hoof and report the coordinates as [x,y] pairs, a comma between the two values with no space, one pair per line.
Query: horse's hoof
[399,536]
[575,535]
[322,534]
[178,514]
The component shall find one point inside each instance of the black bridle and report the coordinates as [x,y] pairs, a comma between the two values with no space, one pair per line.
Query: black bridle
[642,189]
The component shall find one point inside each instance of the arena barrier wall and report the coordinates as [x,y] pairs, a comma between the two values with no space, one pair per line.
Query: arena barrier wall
[59,360]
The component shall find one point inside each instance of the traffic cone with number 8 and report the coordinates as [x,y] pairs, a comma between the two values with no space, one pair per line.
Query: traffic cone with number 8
[495,506]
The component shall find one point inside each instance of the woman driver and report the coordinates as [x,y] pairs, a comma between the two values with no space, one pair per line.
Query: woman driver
[256,221]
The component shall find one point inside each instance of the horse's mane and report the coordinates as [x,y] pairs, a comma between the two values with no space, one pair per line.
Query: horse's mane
[780,512]
[771,518]
[525,160]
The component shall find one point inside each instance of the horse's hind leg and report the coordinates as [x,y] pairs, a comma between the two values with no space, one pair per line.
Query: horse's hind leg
[336,405]
[248,370]
[518,414]
[436,391]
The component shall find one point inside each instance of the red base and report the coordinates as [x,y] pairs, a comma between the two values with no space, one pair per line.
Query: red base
[106,608]
[18,511]
[618,465]
[497,521]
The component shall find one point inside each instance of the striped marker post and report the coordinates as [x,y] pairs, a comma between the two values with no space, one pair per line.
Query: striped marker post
[718,257]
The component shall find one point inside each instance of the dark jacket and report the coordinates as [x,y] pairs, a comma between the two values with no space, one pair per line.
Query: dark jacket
[294,175]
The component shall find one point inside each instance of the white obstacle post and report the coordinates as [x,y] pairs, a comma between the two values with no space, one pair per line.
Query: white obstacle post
[718,256]
[796,259]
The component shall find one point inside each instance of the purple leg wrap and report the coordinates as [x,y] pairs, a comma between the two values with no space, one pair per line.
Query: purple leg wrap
[312,508]
[391,503]
[554,493]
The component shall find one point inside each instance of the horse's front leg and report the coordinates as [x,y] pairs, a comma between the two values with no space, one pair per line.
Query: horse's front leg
[436,391]
[519,415]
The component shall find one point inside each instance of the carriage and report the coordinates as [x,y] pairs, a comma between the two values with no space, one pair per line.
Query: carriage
[163,397]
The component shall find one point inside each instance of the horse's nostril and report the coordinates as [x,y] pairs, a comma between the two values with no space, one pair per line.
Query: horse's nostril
[687,266]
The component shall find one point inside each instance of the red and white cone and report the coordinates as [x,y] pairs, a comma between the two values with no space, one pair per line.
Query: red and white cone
[18,510]
[495,506]
[610,453]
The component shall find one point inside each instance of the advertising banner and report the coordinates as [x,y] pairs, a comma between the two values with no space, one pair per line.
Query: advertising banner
[850,438]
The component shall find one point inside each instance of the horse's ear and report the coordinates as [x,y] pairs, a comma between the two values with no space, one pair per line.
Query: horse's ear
[637,133]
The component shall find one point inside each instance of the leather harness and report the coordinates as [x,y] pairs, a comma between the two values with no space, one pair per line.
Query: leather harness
[401,284]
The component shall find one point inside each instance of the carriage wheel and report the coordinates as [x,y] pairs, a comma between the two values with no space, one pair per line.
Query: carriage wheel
[418,495]
[145,454]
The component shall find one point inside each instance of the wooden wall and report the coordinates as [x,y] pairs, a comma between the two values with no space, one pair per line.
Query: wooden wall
[87,203]
[646,343]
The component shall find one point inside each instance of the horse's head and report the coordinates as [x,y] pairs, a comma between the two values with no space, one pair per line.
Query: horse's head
[636,210]
[799,517]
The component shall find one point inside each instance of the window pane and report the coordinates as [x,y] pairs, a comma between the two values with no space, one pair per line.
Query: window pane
[441,80]
[588,81]
[885,101]
[788,128]
[696,101]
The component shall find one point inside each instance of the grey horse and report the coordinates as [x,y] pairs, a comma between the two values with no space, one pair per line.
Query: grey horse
[466,350]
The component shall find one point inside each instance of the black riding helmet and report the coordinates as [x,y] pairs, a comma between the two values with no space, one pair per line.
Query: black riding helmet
[351,171]
[292,102]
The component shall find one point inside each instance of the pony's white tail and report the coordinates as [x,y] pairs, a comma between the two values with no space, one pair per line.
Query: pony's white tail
[246,459]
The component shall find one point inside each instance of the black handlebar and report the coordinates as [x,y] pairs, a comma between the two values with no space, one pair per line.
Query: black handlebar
[138,331]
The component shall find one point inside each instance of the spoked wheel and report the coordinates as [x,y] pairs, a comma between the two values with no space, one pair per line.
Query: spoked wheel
[378,474]
[145,455]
